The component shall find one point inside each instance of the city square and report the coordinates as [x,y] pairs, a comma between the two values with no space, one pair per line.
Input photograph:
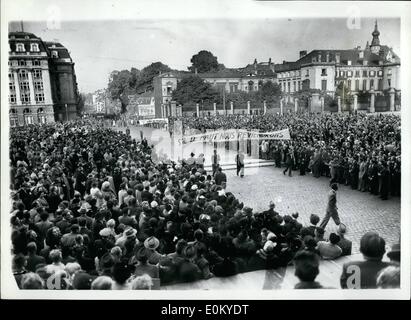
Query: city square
[185,166]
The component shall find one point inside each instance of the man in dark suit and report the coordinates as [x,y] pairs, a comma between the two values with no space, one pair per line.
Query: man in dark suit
[363,274]
[220,177]
[332,210]
[33,259]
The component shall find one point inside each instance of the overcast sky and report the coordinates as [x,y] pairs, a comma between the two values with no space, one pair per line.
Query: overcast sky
[98,47]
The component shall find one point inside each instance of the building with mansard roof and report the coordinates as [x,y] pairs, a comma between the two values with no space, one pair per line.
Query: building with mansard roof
[42,81]
[375,67]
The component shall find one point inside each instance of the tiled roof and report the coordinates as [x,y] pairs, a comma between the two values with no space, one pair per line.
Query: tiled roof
[352,55]
[225,73]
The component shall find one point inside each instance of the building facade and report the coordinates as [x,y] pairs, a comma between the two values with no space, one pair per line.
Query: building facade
[63,82]
[141,106]
[246,79]
[374,68]
[41,81]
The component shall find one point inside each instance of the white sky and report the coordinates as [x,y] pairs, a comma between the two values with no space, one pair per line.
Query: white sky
[98,47]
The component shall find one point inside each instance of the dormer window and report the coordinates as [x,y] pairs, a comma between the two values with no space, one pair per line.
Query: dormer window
[361,54]
[314,59]
[348,62]
[54,54]
[20,47]
[26,37]
[34,47]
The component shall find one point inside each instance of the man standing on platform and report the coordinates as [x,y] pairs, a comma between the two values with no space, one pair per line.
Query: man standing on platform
[215,161]
[239,159]
[332,210]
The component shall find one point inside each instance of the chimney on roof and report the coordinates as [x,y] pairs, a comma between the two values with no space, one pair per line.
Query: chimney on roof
[319,57]
[284,62]
[337,57]
[269,62]
[255,61]
[303,53]
[327,57]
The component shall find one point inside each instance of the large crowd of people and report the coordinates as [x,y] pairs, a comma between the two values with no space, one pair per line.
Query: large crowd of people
[92,210]
[359,150]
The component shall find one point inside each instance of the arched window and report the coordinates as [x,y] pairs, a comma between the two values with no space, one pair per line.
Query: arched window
[14,121]
[34,47]
[250,85]
[20,47]
[41,116]
[28,116]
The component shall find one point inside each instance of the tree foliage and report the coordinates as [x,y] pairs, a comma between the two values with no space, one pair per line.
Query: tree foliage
[193,89]
[268,92]
[145,79]
[125,82]
[205,61]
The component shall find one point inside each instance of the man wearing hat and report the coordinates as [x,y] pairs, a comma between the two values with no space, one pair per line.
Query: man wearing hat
[363,274]
[332,210]
[395,254]
[152,243]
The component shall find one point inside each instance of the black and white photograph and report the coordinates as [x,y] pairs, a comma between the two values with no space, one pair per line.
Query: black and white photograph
[213,150]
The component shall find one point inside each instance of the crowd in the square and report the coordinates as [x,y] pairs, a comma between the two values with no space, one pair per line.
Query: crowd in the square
[91,210]
[359,150]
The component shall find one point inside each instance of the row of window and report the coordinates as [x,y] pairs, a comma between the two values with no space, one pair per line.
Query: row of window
[24,75]
[25,86]
[25,98]
[367,85]
[357,73]
[345,74]
[34,47]
[286,86]
[23,63]
[289,74]
[28,118]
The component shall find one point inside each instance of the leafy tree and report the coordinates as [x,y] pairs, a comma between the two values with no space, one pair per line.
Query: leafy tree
[270,92]
[145,77]
[193,89]
[205,61]
[119,87]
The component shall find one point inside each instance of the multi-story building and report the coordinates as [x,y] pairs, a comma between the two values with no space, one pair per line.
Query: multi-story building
[246,79]
[63,82]
[41,81]
[141,106]
[30,97]
[99,101]
[376,67]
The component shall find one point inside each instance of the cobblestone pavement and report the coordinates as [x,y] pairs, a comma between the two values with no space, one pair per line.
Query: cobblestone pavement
[360,211]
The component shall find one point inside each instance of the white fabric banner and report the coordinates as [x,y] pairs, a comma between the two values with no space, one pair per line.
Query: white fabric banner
[234,135]
[149,121]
